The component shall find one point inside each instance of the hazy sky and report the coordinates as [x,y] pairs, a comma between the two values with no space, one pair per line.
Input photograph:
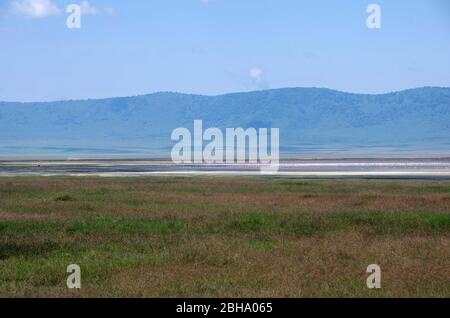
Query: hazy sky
[217,46]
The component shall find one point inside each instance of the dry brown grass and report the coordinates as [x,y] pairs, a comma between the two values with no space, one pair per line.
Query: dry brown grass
[224,237]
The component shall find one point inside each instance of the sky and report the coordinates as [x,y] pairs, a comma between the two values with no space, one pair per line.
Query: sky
[212,47]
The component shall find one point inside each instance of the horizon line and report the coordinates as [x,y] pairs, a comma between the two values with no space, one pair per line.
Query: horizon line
[230,93]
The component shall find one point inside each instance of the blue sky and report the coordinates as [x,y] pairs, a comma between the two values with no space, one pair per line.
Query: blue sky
[218,46]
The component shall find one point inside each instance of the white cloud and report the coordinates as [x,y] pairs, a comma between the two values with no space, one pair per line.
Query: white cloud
[35,8]
[256,73]
[87,8]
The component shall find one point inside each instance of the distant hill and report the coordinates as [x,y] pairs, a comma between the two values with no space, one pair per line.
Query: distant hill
[313,122]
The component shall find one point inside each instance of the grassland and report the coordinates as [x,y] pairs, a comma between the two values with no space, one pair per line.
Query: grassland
[226,237]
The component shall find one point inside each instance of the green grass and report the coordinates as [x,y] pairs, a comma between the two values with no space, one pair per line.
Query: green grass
[125,226]
[228,237]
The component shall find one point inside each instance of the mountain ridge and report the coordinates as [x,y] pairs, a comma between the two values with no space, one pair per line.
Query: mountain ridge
[313,121]
[232,93]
